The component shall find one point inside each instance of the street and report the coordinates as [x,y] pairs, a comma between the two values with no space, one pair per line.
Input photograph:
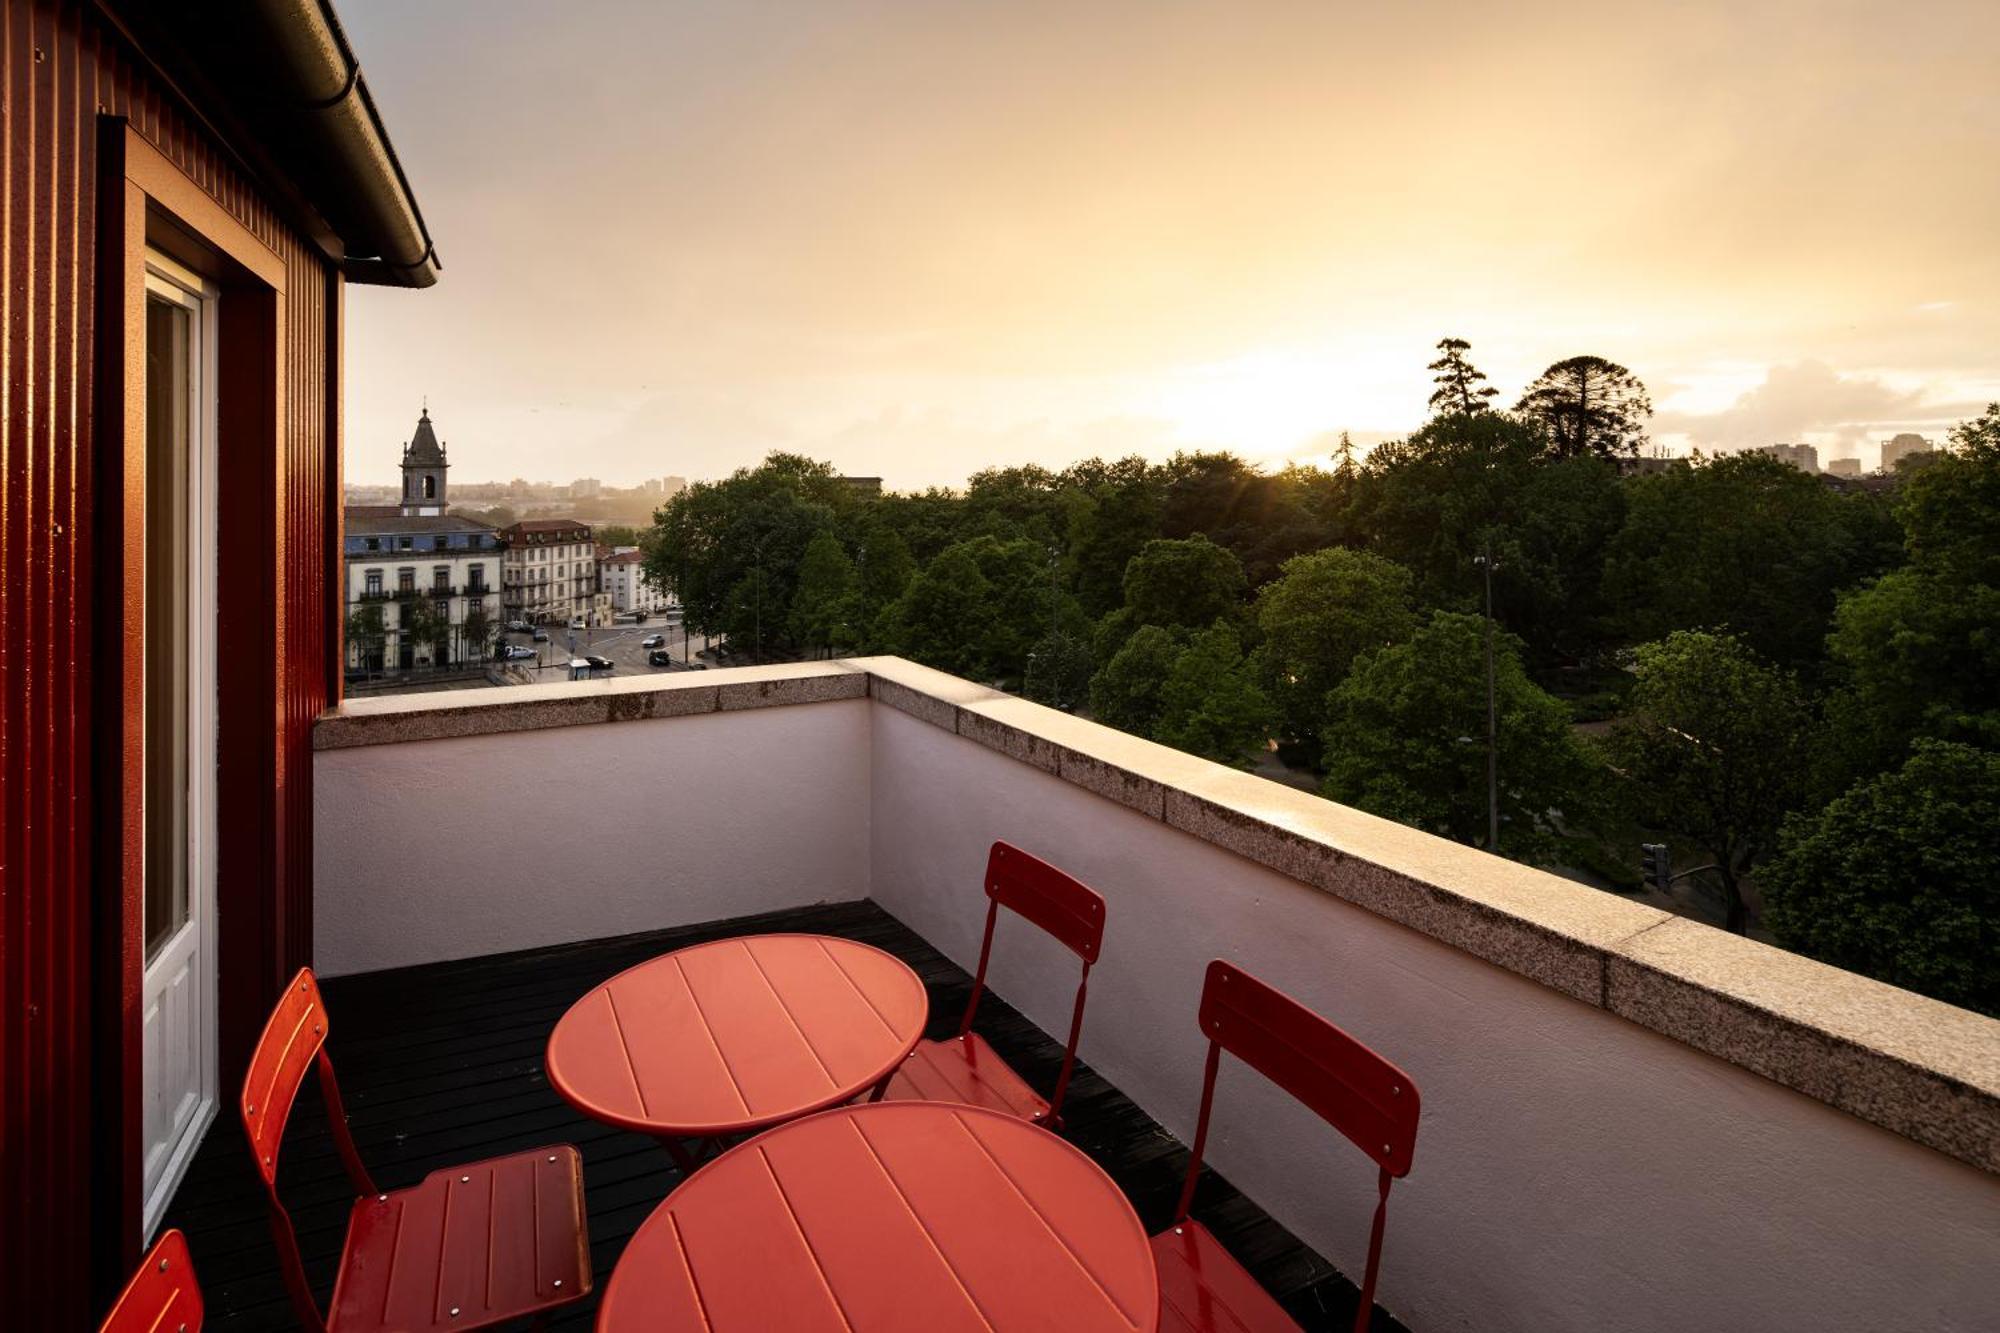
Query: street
[620,643]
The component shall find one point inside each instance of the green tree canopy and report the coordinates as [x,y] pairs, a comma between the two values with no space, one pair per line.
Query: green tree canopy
[1896,878]
[1316,617]
[1590,407]
[945,618]
[1715,750]
[1405,738]
[1744,544]
[1950,509]
[1186,584]
[1210,704]
[1126,691]
[826,605]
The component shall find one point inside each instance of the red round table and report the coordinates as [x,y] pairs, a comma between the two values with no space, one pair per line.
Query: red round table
[737,1035]
[895,1217]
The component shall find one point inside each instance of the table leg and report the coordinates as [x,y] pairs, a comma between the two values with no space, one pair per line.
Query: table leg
[875,1093]
[678,1151]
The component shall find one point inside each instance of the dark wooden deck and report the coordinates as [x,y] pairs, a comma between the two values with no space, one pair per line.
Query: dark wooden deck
[443,1064]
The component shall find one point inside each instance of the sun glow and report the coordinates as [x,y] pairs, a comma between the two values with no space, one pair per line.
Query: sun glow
[1279,402]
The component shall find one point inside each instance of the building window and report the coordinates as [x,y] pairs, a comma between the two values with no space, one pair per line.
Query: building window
[441,578]
[374,583]
[374,543]
[403,544]
[406,580]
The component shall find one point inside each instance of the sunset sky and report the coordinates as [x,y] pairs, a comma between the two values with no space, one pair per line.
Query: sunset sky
[921,238]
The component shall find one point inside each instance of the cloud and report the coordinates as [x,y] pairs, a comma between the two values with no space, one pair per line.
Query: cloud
[1809,400]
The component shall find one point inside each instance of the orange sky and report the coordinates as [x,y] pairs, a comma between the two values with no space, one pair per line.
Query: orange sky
[921,238]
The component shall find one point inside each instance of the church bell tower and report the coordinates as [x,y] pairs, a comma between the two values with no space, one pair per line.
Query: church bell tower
[423,471]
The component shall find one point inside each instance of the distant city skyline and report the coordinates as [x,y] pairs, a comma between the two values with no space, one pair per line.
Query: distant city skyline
[920,239]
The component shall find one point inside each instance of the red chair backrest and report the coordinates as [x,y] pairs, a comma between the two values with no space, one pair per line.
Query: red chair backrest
[294,1041]
[1347,1085]
[291,1043]
[162,1296]
[1370,1101]
[1064,908]
[1048,897]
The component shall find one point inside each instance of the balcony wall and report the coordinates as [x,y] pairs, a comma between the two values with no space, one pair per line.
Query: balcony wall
[1630,1121]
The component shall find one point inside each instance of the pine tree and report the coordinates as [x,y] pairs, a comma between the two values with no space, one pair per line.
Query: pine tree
[1461,386]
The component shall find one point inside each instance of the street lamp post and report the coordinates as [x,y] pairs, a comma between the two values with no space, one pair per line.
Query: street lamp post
[1487,566]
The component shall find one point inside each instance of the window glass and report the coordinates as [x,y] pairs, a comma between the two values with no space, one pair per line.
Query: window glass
[169,369]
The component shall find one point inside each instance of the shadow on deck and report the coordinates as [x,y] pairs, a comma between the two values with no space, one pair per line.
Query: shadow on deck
[443,1064]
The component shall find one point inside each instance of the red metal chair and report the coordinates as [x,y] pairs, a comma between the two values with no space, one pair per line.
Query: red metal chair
[162,1296]
[1372,1102]
[966,1069]
[470,1247]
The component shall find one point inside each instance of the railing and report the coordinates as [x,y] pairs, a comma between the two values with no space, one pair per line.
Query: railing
[1630,1120]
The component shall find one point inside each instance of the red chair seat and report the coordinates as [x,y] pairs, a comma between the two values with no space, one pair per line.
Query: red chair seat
[965,1069]
[473,1245]
[1204,1290]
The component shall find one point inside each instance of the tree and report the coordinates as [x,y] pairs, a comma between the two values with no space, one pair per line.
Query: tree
[1186,584]
[1714,750]
[732,549]
[616,534]
[1316,617]
[1112,510]
[1591,407]
[367,632]
[945,617]
[1900,878]
[1460,386]
[421,624]
[1059,671]
[1950,509]
[1404,737]
[1210,704]
[825,604]
[1744,544]
[1126,691]
[476,633]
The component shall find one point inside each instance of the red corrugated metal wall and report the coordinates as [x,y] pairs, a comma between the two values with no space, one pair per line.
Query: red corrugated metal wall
[60,70]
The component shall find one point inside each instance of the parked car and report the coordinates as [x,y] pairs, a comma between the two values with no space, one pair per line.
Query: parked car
[519,627]
[541,636]
[600,663]
[653,641]
[514,652]
[576,622]
[660,657]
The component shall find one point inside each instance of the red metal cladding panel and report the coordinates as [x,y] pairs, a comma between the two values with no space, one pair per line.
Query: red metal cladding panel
[292,1038]
[61,70]
[1051,899]
[1349,1086]
[162,1295]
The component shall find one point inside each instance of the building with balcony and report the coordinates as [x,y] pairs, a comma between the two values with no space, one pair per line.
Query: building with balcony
[422,584]
[548,571]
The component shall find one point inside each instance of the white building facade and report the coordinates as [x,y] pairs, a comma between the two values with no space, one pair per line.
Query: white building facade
[622,575]
[549,572]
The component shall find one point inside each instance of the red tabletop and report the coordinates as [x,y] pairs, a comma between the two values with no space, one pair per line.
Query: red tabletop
[737,1035]
[896,1217]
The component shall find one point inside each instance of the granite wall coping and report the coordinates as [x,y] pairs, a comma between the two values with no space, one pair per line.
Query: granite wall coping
[1918,1067]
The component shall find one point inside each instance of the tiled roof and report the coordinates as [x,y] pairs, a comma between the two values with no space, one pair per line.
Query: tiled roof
[377,519]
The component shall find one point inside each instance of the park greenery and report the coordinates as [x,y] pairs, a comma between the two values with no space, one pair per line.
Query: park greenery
[1767,670]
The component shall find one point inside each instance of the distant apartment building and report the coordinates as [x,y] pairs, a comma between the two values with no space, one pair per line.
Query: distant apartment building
[548,571]
[1906,445]
[585,488]
[1804,457]
[622,575]
[1843,467]
[422,584]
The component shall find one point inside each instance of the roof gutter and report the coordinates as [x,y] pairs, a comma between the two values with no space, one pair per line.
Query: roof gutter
[278,78]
